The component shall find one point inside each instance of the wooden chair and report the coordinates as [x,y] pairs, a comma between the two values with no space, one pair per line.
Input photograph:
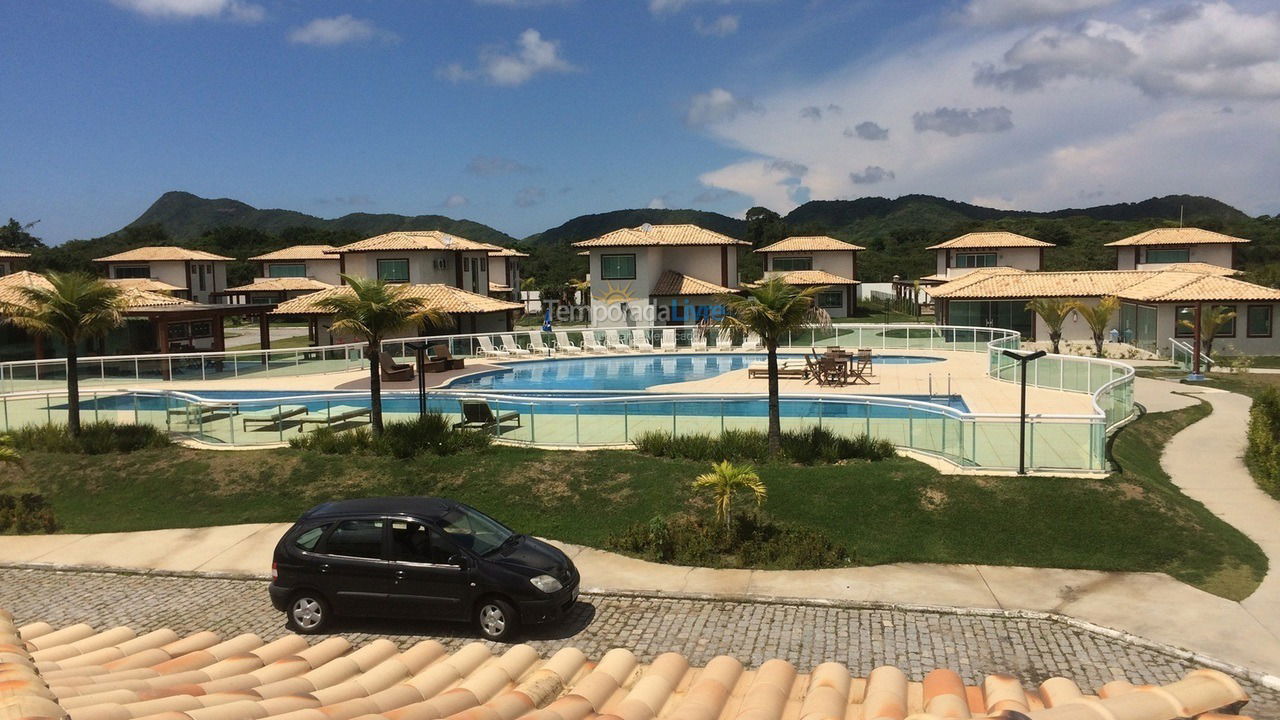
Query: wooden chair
[477,415]
[440,354]
[865,362]
[392,370]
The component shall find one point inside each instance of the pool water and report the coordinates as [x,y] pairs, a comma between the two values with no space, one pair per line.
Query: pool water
[627,373]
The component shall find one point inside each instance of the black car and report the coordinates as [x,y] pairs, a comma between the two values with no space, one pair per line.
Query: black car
[421,558]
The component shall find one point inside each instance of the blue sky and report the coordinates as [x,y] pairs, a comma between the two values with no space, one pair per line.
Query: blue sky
[524,113]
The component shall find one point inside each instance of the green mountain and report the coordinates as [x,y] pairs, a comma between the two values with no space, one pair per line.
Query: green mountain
[184,216]
[585,227]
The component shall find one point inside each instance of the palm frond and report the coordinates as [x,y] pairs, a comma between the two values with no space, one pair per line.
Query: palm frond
[75,305]
[374,309]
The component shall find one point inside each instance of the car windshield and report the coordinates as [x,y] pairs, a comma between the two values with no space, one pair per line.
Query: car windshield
[475,531]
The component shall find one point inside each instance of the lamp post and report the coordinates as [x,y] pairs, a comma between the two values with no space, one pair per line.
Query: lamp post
[1023,361]
[420,352]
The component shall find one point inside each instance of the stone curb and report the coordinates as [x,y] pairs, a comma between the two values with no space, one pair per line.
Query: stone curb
[1266,680]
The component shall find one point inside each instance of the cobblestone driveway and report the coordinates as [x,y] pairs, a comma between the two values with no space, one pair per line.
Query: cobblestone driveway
[916,642]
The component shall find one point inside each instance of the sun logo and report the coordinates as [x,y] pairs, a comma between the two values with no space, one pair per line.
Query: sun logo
[614,294]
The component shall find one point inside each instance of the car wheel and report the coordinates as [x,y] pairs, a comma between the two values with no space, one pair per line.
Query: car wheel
[496,619]
[308,613]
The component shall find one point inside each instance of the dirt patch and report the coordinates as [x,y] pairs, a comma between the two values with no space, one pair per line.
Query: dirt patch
[1132,491]
[933,498]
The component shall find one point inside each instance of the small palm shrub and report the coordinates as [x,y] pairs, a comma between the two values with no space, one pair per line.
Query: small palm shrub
[26,513]
[1263,452]
[430,434]
[96,438]
[753,541]
[808,446]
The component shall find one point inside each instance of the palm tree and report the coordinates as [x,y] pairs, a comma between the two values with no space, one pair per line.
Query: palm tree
[772,309]
[1097,317]
[1211,321]
[73,307]
[724,480]
[1054,312]
[371,311]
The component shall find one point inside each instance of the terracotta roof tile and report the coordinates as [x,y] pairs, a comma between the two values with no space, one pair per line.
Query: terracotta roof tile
[160,253]
[413,240]
[135,297]
[281,285]
[499,287]
[979,240]
[299,252]
[440,297]
[647,235]
[810,243]
[122,674]
[145,284]
[12,254]
[500,251]
[814,277]
[1176,236]
[1172,285]
[671,282]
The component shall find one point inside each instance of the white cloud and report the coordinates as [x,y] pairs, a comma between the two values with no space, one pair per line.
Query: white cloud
[339,30]
[530,196]
[237,10]
[658,203]
[1023,12]
[509,67]
[455,201]
[717,105]
[659,7]
[867,130]
[1089,138]
[723,26]
[871,175]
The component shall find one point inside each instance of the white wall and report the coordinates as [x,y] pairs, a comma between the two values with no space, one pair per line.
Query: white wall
[1022,258]
[422,269]
[1220,254]
[840,263]
[1239,344]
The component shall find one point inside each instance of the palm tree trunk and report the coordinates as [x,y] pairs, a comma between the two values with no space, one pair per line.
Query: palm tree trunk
[1054,338]
[775,420]
[1097,343]
[73,389]
[375,387]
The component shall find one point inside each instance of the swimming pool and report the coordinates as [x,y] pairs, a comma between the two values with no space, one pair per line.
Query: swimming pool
[626,373]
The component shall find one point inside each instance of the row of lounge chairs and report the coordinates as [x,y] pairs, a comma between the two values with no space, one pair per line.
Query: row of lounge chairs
[612,342]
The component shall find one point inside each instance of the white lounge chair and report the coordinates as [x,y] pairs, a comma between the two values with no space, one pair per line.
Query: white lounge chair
[563,344]
[591,343]
[536,344]
[272,416]
[668,341]
[724,341]
[488,350]
[640,341]
[613,342]
[699,343]
[751,342]
[511,346]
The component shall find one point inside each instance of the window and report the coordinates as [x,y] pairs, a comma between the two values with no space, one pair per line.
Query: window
[1228,328]
[309,539]
[484,264]
[617,267]
[1258,321]
[1168,255]
[178,331]
[975,260]
[413,542]
[131,271]
[393,270]
[831,299]
[474,530]
[793,263]
[356,538]
[202,329]
[281,270]
[1184,319]
[466,264]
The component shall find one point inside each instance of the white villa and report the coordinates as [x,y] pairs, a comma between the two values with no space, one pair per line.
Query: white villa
[960,256]
[11,262]
[422,257]
[1167,247]
[288,273]
[504,272]
[191,274]
[818,260]
[659,274]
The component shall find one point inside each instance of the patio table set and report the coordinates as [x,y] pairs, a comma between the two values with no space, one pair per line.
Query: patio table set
[835,367]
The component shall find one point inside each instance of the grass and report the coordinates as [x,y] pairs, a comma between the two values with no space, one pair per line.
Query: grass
[895,510]
[298,341]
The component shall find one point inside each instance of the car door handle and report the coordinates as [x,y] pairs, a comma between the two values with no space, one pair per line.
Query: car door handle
[324,568]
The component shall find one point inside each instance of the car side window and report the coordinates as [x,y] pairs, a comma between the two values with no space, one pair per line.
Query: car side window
[356,538]
[310,538]
[414,542]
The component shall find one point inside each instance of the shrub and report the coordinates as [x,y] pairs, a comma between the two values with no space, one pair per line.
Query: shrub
[431,433]
[95,438]
[1263,453]
[754,541]
[807,446]
[26,513]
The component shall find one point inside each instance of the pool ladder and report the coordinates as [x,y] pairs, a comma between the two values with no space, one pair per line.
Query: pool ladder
[931,394]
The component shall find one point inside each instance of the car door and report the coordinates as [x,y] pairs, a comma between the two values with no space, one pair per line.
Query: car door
[430,580]
[354,572]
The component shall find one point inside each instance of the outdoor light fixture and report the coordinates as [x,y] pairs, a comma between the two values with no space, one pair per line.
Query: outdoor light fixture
[420,351]
[1023,361]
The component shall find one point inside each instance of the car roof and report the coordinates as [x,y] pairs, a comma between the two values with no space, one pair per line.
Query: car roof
[424,507]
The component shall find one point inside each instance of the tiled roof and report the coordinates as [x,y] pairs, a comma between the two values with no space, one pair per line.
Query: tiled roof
[810,243]
[413,240]
[813,277]
[445,298]
[1173,285]
[1177,236]
[989,240]
[671,282]
[145,284]
[281,285]
[159,253]
[646,235]
[135,297]
[119,674]
[1203,268]
[499,251]
[13,254]
[299,252]
[499,287]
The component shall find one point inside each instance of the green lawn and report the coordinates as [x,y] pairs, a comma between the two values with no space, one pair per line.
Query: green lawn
[892,511]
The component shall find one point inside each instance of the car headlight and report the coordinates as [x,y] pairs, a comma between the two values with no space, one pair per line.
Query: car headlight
[546,583]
